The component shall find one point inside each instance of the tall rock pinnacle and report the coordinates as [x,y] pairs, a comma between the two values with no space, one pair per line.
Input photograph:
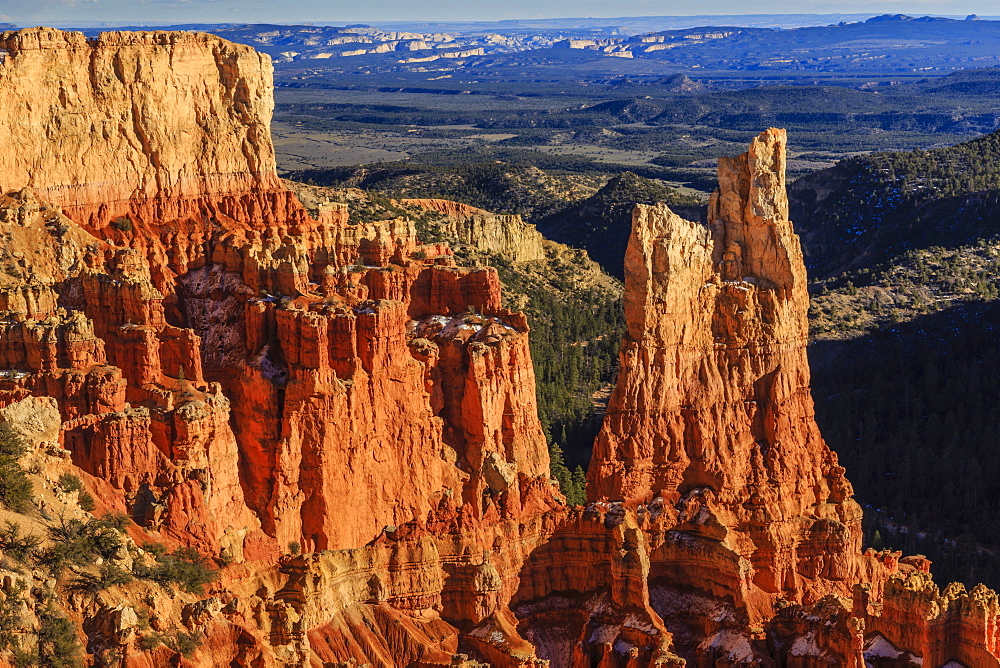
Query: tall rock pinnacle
[712,406]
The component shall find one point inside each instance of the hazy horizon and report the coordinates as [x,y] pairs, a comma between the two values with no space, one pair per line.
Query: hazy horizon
[96,13]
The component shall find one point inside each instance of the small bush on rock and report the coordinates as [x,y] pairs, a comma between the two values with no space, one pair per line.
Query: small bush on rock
[15,487]
[58,646]
[109,576]
[81,542]
[10,615]
[16,544]
[184,567]
[72,483]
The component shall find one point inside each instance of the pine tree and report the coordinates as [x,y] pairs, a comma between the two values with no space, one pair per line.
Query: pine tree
[15,487]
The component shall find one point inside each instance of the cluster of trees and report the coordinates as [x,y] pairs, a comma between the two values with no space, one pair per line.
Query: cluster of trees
[574,348]
[869,209]
[966,167]
[575,340]
[531,183]
[15,487]
[908,402]
[909,410]
[918,282]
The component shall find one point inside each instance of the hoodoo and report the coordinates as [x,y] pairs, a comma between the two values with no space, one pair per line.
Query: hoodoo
[345,421]
[712,413]
[710,443]
[244,380]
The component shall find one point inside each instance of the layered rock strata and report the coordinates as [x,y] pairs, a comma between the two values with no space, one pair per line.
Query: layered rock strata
[243,379]
[150,126]
[710,443]
[712,411]
[505,235]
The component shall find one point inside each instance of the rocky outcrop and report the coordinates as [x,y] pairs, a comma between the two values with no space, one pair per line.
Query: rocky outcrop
[712,412]
[151,128]
[709,443]
[250,382]
[505,235]
[917,619]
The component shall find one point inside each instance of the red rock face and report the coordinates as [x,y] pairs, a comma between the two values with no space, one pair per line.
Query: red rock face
[249,381]
[349,419]
[712,413]
[370,388]
[710,444]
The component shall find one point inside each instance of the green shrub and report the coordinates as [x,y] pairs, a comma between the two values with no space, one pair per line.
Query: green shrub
[180,642]
[24,658]
[184,643]
[122,224]
[109,576]
[58,646]
[81,542]
[18,545]
[10,615]
[109,657]
[86,501]
[71,483]
[184,567]
[15,487]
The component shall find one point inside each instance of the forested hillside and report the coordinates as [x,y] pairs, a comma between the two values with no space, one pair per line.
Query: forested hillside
[904,250]
[871,208]
[910,410]
[581,209]
[518,187]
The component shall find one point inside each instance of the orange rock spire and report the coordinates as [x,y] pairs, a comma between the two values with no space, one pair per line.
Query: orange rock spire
[714,387]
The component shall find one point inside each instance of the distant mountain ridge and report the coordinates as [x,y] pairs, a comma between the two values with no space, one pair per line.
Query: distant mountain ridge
[886,43]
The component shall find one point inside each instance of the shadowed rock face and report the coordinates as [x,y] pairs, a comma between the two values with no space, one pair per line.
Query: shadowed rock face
[253,383]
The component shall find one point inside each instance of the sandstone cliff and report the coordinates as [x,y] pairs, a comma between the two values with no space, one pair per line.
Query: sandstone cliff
[149,126]
[241,378]
[504,235]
